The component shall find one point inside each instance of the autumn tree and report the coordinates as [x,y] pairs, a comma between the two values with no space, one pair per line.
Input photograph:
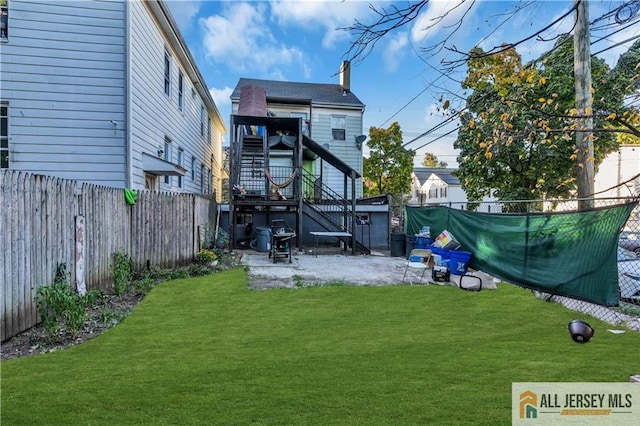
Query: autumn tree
[530,118]
[626,74]
[388,168]
[430,160]
[517,132]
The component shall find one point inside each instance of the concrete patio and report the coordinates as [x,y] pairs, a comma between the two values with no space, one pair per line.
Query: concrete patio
[328,267]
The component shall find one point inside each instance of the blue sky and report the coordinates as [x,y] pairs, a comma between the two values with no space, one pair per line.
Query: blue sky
[299,41]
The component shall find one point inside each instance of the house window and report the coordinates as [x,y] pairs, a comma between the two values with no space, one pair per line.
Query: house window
[338,127]
[181,164]
[4,19]
[201,120]
[208,130]
[202,178]
[363,219]
[443,192]
[150,182]
[244,218]
[167,73]
[193,169]
[167,157]
[303,115]
[180,90]
[4,136]
[433,193]
[208,181]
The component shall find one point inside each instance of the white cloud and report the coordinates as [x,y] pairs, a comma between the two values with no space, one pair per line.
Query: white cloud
[327,16]
[221,96]
[393,53]
[183,11]
[440,16]
[241,39]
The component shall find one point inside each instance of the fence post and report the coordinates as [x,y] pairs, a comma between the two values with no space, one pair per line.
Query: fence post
[81,284]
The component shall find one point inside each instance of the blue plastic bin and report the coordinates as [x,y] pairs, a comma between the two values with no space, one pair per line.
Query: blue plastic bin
[459,261]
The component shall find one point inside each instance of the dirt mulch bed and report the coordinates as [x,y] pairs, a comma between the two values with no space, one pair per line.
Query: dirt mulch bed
[106,314]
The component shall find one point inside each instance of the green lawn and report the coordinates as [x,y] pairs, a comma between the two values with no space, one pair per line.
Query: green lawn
[209,351]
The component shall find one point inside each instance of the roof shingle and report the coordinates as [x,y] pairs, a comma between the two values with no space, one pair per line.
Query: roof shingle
[289,91]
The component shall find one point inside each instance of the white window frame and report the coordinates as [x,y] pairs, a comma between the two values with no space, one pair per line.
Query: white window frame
[4,21]
[305,123]
[201,120]
[181,164]
[167,73]
[4,136]
[201,178]
[180,91]
[167,157]
[339,123]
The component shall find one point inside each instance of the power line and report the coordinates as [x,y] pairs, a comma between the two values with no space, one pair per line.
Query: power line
[616,45]
[450,119]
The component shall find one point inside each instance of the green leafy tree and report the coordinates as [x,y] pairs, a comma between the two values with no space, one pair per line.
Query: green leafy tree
[517,134]
[626,74]
[430,160]
[630,138]
[388,168]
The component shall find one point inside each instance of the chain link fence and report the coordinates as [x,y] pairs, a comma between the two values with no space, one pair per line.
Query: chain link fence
[627,313]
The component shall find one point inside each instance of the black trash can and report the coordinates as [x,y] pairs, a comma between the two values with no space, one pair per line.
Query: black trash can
[397,245]
[410,245]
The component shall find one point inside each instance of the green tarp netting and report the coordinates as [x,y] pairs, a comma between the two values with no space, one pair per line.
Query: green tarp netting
[568,254]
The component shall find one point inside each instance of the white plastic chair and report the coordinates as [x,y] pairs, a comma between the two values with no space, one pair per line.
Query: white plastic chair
[419,262]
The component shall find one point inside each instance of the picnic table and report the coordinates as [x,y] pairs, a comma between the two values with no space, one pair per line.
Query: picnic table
[341,236]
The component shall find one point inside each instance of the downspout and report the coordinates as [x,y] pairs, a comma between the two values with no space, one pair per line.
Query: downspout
[232,181]
[353,212]
[298,179]
[128,151]
[127,81]
[345,219]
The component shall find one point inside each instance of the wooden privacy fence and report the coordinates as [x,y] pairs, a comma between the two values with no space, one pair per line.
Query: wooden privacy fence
[45,221]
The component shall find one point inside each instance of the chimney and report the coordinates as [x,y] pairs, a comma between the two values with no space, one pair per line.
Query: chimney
[345,76]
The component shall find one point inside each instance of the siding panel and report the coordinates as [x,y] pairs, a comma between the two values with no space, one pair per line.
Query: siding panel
[63,75]
[156,115]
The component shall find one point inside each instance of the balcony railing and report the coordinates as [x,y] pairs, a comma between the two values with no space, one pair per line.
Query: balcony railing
[275,182]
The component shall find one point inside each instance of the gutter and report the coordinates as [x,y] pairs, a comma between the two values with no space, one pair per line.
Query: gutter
[161,12]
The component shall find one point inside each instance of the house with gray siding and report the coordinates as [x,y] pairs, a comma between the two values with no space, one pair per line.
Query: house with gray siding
[332,115]
[106,92]
[296,155]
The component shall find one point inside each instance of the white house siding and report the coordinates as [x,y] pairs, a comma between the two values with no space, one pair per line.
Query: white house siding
[345,150]
[63,76]
[618,167]
[455,196]
[154,115]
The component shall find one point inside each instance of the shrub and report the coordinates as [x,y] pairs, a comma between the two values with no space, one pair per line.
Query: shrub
[205,257]
[59,306]
[121,272]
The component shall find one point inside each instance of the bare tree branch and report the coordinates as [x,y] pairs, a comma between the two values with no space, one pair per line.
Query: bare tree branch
[368,35]
[499,49]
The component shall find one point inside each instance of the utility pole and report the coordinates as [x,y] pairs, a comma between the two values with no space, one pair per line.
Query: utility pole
[584,130]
